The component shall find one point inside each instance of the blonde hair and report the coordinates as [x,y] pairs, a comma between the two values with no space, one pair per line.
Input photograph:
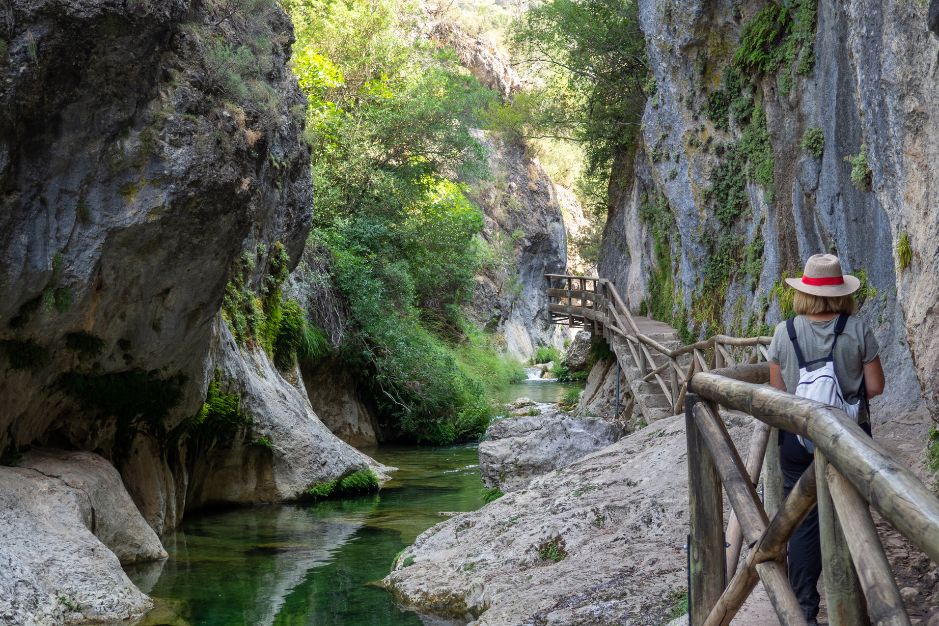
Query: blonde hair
[807,304]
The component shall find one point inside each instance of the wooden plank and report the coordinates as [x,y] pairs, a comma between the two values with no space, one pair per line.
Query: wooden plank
[706,510]
[733,473]
[890,486]
[758,441]
[842,588]
[885,606]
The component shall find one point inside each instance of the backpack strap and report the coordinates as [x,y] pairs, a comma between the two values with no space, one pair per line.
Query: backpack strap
[791,329]
[839,328]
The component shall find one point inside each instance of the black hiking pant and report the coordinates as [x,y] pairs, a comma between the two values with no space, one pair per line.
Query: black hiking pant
[805,554]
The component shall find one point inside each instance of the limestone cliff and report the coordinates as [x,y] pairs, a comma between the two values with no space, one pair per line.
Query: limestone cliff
[831,148]
[525,229]
[145,148]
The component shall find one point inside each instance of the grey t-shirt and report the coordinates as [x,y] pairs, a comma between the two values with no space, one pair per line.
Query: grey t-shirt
[856,346]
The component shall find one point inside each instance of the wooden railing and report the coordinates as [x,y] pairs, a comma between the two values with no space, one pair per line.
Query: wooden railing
[594,304]
[851,473]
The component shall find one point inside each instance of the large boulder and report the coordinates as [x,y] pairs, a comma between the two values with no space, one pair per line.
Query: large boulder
[519,448]
[577,356]
[66,523]
[598,542]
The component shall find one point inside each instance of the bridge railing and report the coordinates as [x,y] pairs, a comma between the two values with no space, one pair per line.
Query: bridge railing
[851,473]
[594,304]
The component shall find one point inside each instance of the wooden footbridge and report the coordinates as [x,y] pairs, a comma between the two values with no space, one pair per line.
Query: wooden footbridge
[852,472]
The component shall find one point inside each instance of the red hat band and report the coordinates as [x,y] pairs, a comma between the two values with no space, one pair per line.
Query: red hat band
[823,281]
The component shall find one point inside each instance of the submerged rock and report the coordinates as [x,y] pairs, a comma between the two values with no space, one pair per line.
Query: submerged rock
[598,542]
[538,440]
[65,519]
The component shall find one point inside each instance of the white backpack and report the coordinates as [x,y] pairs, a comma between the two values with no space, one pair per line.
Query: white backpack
[821,384]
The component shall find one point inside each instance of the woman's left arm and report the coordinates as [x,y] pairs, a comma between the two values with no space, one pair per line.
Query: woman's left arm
[873,378]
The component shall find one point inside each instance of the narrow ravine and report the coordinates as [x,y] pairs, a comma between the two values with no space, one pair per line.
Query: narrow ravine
[315,563]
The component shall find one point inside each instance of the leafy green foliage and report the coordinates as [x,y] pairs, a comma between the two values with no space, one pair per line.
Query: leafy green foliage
[570,400]
[358,482]
[782,293]
[221,416]
[479,355]
[492,494]
[389,117]
[904,251]
[756,147]
[813,142]
[678,604]
[861,174]
[547,354]
[728,193]
[552,549]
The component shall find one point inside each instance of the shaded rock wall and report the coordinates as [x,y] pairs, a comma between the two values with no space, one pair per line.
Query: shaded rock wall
[877,91]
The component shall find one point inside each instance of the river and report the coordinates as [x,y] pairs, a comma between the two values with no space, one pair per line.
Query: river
[315,563]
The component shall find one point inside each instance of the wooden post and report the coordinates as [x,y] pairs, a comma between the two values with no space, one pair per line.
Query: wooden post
[755,455]
[842,589]
[674,387]
[772,475]
[570,303]
[718,357]
[706,511]
[883,598]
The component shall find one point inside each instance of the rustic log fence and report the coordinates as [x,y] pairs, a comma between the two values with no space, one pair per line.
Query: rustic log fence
[851,473]
[594,304]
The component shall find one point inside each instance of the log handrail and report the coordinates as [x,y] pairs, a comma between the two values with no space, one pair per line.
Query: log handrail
[852,472]
[594,303]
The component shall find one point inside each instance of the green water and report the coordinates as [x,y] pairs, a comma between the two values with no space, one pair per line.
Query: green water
[313,564]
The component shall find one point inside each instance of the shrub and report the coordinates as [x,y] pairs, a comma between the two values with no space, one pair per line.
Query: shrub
[547,354]
[552,550]
[813,142]
[904,251]
[358,482]
[492,494]
[220,417]
[861,174]
[570,400]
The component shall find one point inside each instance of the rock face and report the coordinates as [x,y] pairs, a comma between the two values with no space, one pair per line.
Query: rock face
[599,396]
[876,93]
[524,229]
[332,392]
[599,542]
[578,353]
[286,449]
[517,449]
[66,525]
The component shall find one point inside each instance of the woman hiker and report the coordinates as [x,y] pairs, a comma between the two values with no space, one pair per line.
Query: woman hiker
[824,334]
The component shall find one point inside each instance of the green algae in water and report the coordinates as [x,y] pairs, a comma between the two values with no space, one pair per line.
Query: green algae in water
[310,564]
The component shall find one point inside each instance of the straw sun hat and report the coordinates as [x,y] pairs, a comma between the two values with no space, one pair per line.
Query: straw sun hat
[823,277]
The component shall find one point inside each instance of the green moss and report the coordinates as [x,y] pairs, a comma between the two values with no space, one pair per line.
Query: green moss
[782,294]
[408,561]
[866,290]
[24,354]
[84,342]
[221,417]
[678,604]
[904,252]
[264,442]
[861,174]
[757,148]
[83,211]
[358,482]
[813,142]
[932,450]
[552,549]
[492,494]
[727,194]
